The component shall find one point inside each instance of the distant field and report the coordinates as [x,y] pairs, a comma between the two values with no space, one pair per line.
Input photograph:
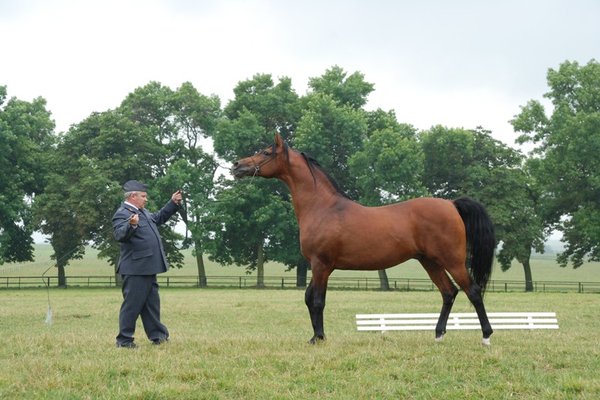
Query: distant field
[252,344]
[544,268]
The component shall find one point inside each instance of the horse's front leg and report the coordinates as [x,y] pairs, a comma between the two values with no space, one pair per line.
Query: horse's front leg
[309,300]
[315,301]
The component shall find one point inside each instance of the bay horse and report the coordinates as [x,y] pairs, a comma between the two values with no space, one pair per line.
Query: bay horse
[337,233]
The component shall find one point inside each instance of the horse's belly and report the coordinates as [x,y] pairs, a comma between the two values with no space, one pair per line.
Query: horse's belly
[371,261]
[364,254]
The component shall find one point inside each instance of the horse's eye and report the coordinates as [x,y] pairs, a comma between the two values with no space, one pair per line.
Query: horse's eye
[266,152]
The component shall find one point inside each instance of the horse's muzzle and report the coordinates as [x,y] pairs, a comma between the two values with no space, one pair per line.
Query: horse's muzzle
[239,171]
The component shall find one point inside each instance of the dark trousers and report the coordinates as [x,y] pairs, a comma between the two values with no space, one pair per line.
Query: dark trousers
[140,298]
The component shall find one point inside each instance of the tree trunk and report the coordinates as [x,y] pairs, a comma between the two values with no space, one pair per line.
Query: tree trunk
[528,276]
[383,279]
[260,266]
[62,278]
[202,282]
[524,260]
[301,272]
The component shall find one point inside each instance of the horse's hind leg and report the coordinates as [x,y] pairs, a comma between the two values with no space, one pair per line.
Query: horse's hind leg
[474,293]
[448,291]
[475,296]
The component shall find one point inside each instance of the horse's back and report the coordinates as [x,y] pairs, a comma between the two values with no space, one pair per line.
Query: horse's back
[418,212]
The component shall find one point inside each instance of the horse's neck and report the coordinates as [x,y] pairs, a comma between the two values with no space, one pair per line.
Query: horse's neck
[310,192]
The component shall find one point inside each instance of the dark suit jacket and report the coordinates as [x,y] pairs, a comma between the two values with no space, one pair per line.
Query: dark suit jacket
[142,251]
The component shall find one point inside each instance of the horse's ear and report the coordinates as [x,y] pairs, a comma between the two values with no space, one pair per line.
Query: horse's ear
[278,140]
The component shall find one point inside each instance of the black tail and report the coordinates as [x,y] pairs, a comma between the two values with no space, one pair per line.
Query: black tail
[481,239]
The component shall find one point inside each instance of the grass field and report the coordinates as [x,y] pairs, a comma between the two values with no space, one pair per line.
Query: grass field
[544,268]
[251,344]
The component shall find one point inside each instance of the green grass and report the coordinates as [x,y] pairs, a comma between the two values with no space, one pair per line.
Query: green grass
[544,268]
[251,344]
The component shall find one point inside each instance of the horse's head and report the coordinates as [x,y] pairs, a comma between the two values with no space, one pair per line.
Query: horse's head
[265,163]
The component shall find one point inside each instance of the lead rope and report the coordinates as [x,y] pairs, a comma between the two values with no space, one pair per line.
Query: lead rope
[48,320]
[183,213]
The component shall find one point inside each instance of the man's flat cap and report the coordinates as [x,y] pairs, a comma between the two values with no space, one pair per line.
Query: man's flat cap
[134,186]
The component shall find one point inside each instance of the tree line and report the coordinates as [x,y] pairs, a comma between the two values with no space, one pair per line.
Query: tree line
[67,185]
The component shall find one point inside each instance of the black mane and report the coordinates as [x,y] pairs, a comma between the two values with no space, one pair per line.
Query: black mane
[312,164]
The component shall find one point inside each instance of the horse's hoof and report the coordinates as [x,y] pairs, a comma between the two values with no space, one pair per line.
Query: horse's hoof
[439,338]
[486,341]
[316,339]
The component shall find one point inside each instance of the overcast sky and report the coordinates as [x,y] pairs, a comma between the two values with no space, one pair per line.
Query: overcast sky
[455,63]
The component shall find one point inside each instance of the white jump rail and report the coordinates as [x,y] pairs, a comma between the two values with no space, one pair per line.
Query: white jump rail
[456,321]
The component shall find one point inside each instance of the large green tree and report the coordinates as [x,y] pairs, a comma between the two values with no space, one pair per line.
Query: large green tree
[195,118]
[463,162]
[26,138]
[88,167]
[567,144]
[251,219]
[334,125]
[153,136]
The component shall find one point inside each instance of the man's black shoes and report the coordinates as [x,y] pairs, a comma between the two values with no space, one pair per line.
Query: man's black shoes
[127,345]
[132,345]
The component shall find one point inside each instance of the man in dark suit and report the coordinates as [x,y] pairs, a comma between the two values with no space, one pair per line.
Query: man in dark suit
[142,257]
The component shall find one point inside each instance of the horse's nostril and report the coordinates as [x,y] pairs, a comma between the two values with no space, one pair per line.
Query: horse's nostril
[235,164]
